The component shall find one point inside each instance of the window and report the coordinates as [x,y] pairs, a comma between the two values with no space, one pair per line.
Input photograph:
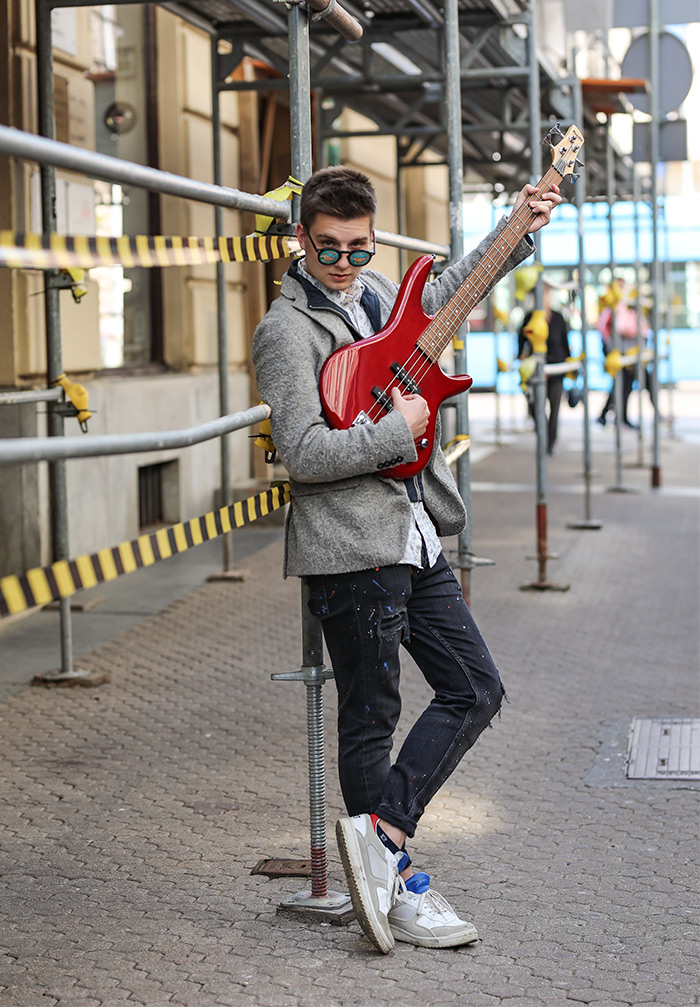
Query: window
[159,496]
[123,73]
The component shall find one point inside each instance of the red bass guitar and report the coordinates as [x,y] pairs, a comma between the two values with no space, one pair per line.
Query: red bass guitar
[356,380]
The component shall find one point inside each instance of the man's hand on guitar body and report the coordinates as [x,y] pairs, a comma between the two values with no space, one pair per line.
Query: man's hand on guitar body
[542,207]
[414,409]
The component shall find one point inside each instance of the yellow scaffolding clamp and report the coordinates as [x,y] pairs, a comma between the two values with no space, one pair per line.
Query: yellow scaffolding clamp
[78,287]
[525,280]
[527,369]
[613,363]
[283,192]
[575,360]
[78,397]
[263,439]
[537,331]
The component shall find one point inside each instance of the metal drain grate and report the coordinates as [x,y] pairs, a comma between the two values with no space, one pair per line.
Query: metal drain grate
[664,749]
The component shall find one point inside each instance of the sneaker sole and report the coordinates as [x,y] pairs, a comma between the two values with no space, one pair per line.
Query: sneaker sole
[434,942]
[356,876]
[428,942]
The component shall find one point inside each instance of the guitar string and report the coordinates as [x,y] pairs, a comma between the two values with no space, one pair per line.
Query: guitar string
[425,352]
[454,310]
[461,297]
[421,355]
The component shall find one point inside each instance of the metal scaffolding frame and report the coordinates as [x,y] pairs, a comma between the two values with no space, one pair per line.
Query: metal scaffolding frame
[419,106]
[483,49]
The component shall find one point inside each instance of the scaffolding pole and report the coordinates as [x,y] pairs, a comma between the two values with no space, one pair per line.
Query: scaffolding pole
[538,383]
[334,906]
[654,31]
[453,110]
[221,319]
[53,284]
[588,521]
[641,366]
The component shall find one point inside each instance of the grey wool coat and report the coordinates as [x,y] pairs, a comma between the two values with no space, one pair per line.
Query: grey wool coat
[344,516]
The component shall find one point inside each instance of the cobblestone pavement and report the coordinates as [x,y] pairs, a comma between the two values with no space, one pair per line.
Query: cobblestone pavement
[133,813]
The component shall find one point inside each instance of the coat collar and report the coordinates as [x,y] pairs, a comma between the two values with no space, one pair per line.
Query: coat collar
[296,286]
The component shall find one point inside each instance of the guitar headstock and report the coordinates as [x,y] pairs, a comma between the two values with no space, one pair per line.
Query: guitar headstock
[565,152]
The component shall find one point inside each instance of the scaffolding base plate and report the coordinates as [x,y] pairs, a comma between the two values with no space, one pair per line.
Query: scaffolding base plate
[283,868]
[232,575]
[76,677]
[591,524]
[544,585]
[335,907]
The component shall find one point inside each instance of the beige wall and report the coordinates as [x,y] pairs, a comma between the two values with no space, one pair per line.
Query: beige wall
[103,493]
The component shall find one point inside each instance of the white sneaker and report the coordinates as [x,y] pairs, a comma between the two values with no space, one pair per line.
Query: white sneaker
[372,876]
[428,920]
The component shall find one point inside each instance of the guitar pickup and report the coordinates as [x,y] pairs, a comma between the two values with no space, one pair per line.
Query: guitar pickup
[405,378]
[382,398]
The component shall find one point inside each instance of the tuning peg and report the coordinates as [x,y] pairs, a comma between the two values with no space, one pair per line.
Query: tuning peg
[575,176]
[579,163]
[555,131]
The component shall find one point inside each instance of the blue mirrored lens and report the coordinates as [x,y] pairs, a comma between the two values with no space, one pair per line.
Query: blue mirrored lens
[327,256]
[360,258]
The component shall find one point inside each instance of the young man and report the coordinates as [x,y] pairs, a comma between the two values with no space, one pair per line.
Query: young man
[369,550]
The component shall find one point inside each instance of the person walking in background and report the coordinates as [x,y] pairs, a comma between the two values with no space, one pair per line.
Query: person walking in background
[626,329]
[557,352]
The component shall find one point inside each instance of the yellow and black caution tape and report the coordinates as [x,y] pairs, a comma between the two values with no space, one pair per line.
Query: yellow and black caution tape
[59,251]
[456,447]
[66,577]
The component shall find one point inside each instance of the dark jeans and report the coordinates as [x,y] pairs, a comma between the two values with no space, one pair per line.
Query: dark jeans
[555,387]
[366,616]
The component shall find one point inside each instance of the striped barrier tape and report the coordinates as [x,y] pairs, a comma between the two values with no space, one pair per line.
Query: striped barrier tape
[66,577]
[59,251]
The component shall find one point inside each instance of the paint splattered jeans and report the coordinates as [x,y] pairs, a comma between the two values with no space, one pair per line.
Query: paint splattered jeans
[366,616]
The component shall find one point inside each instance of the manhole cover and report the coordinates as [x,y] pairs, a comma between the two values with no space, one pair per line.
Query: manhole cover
[664,749]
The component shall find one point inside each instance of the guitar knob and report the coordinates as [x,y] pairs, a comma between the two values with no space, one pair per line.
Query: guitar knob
[423,442]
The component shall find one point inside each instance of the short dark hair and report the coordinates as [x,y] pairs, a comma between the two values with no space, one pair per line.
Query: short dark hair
[340,192]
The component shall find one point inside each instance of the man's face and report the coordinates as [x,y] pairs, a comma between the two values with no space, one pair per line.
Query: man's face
[332,232]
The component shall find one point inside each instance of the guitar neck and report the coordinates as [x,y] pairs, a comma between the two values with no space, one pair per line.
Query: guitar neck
[438,334]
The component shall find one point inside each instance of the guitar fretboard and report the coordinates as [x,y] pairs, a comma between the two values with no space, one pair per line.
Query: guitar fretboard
[438,334]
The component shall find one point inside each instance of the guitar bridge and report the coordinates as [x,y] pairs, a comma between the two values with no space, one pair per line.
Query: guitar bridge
[405,378]
[382,398]
[361,418]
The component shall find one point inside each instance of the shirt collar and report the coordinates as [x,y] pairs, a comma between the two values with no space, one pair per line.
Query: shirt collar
[343,298]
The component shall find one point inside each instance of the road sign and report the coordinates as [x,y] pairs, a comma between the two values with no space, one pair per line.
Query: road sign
[673,140]
[675,71]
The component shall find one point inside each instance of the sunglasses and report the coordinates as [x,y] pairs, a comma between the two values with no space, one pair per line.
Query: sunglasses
[329,256]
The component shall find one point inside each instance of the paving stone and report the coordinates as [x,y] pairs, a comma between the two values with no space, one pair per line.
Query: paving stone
[132,819]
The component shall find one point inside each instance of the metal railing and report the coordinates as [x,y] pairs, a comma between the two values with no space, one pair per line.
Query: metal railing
[23,450]
[31,395]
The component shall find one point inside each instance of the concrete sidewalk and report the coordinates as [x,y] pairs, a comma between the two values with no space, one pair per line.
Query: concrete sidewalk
[133,813]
